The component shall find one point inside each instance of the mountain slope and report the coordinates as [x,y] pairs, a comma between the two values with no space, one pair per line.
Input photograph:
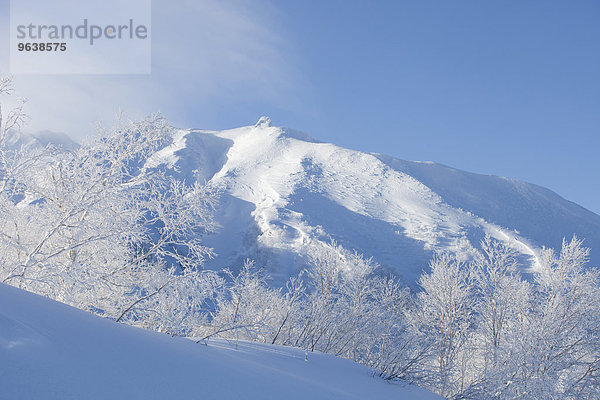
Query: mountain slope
[536,212]
[51,351]
[282,192]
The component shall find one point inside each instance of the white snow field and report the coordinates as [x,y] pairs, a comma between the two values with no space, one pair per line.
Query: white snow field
[52,351]
[283,191]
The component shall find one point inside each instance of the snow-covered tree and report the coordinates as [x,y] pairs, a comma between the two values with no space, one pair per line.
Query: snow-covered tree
[98,230]
[249,309]
[392,350]
[502,302]
[14,118]
[560,352]
[442,318]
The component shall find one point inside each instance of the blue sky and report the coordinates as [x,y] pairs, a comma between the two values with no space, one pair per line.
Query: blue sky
[507,88]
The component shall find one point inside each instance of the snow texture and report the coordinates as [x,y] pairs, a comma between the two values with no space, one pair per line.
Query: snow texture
[51,351]
[282,191]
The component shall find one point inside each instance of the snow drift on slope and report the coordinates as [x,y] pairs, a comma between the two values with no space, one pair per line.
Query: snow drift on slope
[51,351]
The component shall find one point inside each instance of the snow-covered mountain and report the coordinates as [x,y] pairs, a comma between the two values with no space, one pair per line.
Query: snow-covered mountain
[49,350]
[283,191]
[16,139]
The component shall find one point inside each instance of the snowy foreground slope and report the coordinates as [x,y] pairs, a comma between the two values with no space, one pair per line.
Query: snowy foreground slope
[283,192]
[51,351]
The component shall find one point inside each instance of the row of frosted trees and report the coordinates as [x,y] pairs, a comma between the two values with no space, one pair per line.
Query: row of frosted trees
[98,229]
[475,329]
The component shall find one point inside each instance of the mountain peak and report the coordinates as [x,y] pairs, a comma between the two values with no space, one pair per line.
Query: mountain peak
[263,122]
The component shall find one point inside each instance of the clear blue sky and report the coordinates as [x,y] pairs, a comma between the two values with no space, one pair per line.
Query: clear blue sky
[500,87]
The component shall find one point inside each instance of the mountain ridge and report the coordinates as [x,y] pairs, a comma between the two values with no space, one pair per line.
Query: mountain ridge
[283,191]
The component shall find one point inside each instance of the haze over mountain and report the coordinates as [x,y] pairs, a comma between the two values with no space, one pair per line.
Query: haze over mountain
[283,191]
